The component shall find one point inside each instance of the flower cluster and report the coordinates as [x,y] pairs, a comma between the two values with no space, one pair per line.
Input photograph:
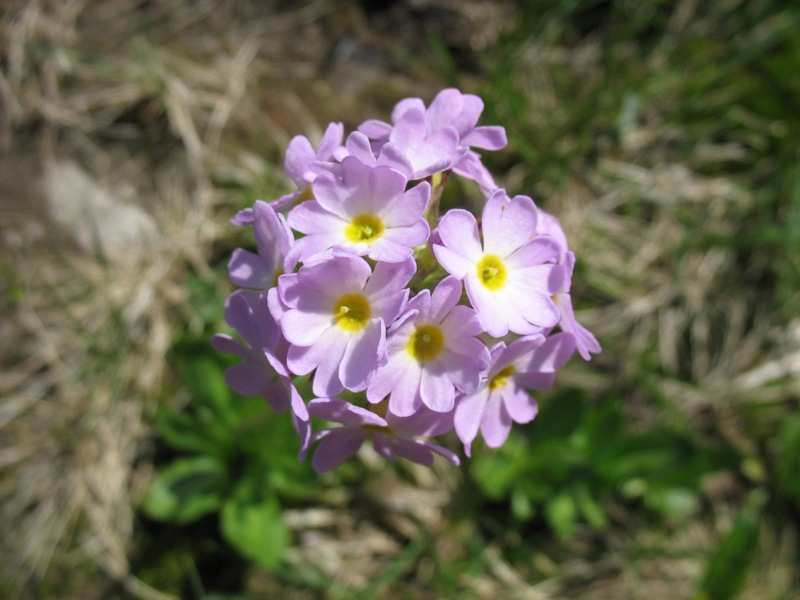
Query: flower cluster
[359,284]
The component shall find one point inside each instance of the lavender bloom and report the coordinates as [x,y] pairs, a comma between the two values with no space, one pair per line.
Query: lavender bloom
[389,155]
[336,316]
[345,317]
[391,437]
[449,111]
[432,352]
[587,344]
[367,210]
[277,253]
[263,372]
[302,164]
[509,277]
[527,363]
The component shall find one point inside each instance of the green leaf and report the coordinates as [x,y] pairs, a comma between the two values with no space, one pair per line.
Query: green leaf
[561,514]
[728,566]
[253,525]
[186,490]
[184,431]
[591,510]
[787,464]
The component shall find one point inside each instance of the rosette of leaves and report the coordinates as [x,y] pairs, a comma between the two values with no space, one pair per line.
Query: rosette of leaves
[578,456]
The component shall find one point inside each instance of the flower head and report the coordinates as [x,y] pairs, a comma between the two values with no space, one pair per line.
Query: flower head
[367,210]
[277,252]
[432,353]
[335,318]
[527,363]
[510,276]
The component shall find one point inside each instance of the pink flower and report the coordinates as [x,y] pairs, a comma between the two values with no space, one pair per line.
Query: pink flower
[302,164]
[510,276]
[263,372]
[367,210]
[426,135]
[587,344]
[391,437]
[527,363]
[336,314]
[277,253]
[432,352]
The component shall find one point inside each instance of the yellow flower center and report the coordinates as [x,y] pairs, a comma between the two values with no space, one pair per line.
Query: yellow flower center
[364,228]
[492,272]
[501,378]
[425,343]
[351,312]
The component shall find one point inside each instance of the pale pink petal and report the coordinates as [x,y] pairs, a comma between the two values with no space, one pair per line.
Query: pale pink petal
[249,270]
[247,378]
[496,423]
[453,262]
[412,450]
[518,403]
[310,217]
[444,297]
[507,224]
[225,343]
[337,447]
[490,312]
[487,137]
[375,130]
[303,327]
[435,389]
[339,411]
[362,356]
[299,154]
[468,416]
[405,397]
[409,209]
[458,231]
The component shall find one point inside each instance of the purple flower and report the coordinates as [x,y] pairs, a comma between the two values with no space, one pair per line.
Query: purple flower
[277,253]
[335,318]
[302,164]
[587,344]
[427,135]
[527,363]
[432,352]
[367,209]
[263,372]
[391,437]
[389,155]
[509,277]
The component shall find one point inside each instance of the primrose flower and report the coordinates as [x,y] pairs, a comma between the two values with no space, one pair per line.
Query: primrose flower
[277,253]
[449,111]
[335,319]
[367,210]
[432,352]
[302,164]
[391,437]
[510,276]
[263,372]
[527,363]
[389,155]
[333,291]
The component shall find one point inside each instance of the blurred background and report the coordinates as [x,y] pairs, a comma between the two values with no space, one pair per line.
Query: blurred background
[663,134]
